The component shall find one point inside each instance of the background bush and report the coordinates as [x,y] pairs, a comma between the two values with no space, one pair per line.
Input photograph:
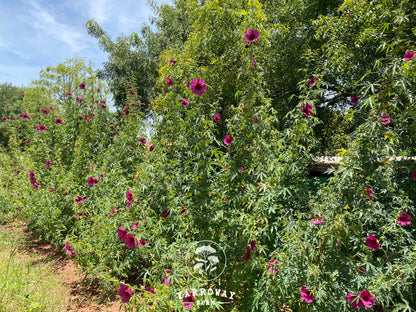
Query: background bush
[253,194]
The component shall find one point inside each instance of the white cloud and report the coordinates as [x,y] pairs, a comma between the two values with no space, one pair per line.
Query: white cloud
[47,23]
[38,33]
[116,17]
[100,10]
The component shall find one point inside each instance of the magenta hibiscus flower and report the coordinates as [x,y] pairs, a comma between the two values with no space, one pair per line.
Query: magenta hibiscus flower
[92,181]
[370,193]
[58,121]
[122,233]
[48,163]
[252,35]
[68,248]
[247,255]
[273,264]
[185,102]
[198,86]
[367,299]
[385,119]
[404,219]
[129,196]
[166,281]
[130,240]
[312,81]
[143,140]
[188,300]
[169,81]
[69,251]
[307,109]
[82,86]
[355,301]
[114,212]
[228,140]
[306,294]
[150,289]
[41,128]
[372,242]
[25,116]
[151,148]
[354,99]
[125,293]
[143,241]
[80,215]
[217,117]
[79,200]
[165,213]
[409,55]
[316,219]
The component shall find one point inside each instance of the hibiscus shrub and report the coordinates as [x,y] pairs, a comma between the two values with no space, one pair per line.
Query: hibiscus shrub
[223,164]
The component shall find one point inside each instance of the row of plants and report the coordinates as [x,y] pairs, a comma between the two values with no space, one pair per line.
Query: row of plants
[225,164]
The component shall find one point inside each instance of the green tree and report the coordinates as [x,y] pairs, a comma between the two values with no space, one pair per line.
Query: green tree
[133,60]
[277,207]
[10,98]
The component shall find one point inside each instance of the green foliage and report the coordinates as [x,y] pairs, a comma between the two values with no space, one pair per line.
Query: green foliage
[26,284]
[10,97]
[251,196]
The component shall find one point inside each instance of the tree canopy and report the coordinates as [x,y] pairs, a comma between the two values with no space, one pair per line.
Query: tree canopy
[244,94]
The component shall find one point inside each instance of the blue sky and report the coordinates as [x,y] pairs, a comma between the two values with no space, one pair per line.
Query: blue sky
[39,33]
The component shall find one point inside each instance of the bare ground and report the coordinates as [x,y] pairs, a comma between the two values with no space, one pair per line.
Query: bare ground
[80,295]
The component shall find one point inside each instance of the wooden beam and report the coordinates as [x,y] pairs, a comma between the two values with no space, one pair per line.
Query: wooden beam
[321,164]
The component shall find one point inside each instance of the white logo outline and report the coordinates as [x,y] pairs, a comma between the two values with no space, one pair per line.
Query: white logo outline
[206,260]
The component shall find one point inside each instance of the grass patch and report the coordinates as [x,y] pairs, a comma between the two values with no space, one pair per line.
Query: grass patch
[25,284]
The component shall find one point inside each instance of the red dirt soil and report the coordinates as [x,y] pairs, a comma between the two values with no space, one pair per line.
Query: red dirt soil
[80,295]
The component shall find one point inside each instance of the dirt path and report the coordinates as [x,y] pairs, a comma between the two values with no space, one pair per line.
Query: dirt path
[79,295]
